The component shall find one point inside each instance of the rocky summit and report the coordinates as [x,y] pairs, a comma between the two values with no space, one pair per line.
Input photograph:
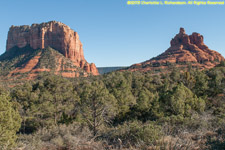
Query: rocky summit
[185,49]
[31,42]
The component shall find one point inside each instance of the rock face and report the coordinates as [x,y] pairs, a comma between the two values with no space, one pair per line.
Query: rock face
[51,34]
[184,48]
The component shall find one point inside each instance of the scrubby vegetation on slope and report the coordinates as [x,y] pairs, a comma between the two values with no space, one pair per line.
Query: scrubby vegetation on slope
[127,110]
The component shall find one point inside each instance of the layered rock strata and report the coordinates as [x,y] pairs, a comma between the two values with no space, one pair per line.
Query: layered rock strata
[51,34]
[184,48]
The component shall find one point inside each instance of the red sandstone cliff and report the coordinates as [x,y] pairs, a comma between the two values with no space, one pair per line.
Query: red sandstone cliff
[184,48]
[51,34]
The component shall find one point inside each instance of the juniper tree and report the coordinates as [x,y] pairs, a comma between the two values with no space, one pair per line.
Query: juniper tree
[10,121]
[97,105]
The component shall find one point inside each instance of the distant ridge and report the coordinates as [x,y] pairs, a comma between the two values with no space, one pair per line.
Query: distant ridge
[104,70]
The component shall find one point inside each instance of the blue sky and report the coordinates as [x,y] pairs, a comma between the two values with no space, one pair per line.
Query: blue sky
[115,34]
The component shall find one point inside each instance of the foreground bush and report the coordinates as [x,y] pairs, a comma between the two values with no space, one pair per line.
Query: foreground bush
[9,122]
[217,142]
[134,134]
[62,137]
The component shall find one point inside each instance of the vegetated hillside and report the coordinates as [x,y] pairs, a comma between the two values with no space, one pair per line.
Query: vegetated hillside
[103,70]
[27,63]
[184,50]
[124,110]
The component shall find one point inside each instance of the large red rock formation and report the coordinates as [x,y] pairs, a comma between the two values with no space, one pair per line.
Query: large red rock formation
[184,48]
[51,34]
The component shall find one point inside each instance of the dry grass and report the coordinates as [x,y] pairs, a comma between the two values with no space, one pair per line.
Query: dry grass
[79,137]
[71,137]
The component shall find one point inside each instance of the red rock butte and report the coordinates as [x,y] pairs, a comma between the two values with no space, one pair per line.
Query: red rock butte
[184,48]
[51,34]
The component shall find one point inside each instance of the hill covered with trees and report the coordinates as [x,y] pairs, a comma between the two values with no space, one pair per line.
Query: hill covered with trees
[118,110]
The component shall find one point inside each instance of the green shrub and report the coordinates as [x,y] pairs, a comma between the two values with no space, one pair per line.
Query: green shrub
[133,133]
[182,101]
[10,122]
